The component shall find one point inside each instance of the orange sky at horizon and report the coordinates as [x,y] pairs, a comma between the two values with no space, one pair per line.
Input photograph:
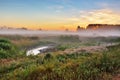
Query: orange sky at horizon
[103,16]
[58,14]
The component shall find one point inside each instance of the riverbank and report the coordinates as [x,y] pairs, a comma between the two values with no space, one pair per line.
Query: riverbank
[57,66]
[82,58]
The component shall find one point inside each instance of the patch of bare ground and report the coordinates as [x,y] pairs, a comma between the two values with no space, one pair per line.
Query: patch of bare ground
[5,61]
[89,49]
[10,60]
[116,77]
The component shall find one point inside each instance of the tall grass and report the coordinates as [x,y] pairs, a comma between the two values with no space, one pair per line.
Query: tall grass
[57,66]
[96,67]
[8,49]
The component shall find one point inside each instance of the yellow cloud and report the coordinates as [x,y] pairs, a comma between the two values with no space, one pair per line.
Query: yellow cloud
[62,22]
[103,16]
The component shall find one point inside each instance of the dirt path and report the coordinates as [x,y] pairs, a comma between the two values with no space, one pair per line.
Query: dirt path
[89,49]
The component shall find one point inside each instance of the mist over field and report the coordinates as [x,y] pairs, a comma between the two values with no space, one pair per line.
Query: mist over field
[59,39]
[85,33]
[39,54]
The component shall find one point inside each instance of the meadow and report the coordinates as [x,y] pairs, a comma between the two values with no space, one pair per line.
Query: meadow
[59,65]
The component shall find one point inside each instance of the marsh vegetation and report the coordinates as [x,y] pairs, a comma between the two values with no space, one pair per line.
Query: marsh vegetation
[57,64]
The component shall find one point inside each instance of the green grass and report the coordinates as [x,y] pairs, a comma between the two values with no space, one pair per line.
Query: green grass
[7,49]
[92,67]
[59,66]
[75,66]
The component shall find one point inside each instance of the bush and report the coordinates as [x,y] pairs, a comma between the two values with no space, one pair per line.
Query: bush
[61,58]
[47,57]
[61,47]
[4,40]
[4,54]
[7,49]
[5,46]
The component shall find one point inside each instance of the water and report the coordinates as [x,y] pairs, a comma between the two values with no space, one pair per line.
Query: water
[37,51]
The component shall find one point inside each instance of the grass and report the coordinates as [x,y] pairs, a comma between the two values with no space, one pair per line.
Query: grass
[54,66]
[59,66]
[7,49]
[94,67]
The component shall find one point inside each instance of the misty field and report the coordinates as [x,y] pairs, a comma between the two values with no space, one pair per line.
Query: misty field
[59,39]
[73,58]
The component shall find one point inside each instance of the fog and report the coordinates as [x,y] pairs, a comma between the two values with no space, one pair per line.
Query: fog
[85,33]
[99,33]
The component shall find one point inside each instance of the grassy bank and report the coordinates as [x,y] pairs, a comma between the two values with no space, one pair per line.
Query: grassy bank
[55,66]
[101,65]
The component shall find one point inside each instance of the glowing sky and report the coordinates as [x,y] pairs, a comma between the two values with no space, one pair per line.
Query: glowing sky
[58,14]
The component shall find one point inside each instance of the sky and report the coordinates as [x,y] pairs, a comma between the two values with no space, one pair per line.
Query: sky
[58,14]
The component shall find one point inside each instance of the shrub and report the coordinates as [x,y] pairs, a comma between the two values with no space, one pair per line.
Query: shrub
[48,56]
[5,46]
[61,58]
[4,40]
[62,47]
[7,49]
[4,54]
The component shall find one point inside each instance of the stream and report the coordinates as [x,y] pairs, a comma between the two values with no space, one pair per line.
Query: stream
[40,49]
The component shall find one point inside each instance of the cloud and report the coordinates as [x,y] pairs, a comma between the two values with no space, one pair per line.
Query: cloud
[102,16]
